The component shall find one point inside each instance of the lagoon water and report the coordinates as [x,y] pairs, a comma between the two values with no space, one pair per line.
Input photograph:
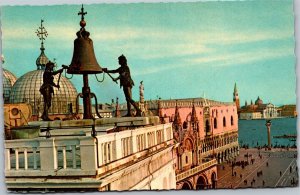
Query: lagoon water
[254,132]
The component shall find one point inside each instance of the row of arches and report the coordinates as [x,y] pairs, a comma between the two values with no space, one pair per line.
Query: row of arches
[227,154]
[217,142]
[202,182]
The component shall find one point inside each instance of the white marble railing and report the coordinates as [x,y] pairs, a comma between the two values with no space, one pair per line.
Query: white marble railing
[52,156]
[81,155]
[17,155]
[115,146]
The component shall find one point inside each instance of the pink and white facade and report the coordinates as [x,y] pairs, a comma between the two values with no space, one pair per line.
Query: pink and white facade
[207,134]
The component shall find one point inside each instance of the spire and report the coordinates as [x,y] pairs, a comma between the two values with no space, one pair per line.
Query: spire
[194,119]
[246,104]
[235,88]
[251,102]
[236,98]
[193,115]
[42,60]
[177,119]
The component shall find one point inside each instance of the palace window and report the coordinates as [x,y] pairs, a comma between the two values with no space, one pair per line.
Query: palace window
[231,119]
[207,127]
[224,121]
[215,123]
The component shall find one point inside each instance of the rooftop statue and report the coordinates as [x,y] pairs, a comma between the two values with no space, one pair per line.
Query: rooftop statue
[47,87]
[141,92]
[126,82]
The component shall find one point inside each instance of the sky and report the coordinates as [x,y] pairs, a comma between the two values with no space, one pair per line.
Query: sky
[179,50]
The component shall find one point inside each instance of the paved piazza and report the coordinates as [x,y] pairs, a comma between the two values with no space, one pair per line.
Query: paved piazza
[271,168]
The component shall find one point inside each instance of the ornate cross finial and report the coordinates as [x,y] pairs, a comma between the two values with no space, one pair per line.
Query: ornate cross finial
[82,13]
[42,33]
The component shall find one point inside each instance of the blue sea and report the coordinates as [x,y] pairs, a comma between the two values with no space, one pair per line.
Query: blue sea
[254,132]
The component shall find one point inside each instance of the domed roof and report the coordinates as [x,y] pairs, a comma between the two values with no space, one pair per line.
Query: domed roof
[26,89]
[42,60]
[8,81]
[258,101]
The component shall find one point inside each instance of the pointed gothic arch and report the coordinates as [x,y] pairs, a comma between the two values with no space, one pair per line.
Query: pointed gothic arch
[224,121]
[215,123]
[201,183]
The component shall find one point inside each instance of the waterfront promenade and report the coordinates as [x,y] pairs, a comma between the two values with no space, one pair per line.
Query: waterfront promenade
[260,169]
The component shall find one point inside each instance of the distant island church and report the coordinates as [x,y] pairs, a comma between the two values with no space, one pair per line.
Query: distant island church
[259,110]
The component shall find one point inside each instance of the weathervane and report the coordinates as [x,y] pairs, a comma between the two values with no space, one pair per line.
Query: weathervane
[42,33]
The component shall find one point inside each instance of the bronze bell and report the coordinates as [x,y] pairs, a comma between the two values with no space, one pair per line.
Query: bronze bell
[84,60]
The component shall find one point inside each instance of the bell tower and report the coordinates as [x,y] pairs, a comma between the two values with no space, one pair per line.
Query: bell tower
[236,98]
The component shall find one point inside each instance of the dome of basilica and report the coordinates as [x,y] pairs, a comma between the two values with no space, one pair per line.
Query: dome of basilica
[8,81]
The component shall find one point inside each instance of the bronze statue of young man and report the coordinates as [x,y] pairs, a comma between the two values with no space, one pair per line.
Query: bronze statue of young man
[47,88]
[126,82]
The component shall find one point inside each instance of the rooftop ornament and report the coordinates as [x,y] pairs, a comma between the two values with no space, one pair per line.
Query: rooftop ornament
[84,62]
[42,60]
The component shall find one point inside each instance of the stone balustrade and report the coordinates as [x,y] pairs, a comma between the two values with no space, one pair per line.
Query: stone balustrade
[80,155]
[116,146]
[198,102]
[58,156]
[193,171]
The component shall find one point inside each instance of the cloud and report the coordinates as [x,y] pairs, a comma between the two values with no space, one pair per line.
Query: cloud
[153,45]
[221,60]
[246,57]
[134,35]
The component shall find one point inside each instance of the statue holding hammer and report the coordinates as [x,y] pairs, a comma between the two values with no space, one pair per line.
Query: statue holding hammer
[126,82]
[47,87]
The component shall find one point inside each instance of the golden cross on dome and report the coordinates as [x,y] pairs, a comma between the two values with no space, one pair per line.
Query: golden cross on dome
[41,32]
[82,13]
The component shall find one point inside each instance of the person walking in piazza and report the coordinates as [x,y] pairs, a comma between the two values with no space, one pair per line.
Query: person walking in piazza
[47,88]
[126,82]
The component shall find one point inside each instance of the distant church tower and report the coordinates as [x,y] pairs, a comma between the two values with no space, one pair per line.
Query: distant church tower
[236,98]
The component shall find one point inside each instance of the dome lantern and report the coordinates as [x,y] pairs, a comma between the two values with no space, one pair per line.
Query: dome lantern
[42,60]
